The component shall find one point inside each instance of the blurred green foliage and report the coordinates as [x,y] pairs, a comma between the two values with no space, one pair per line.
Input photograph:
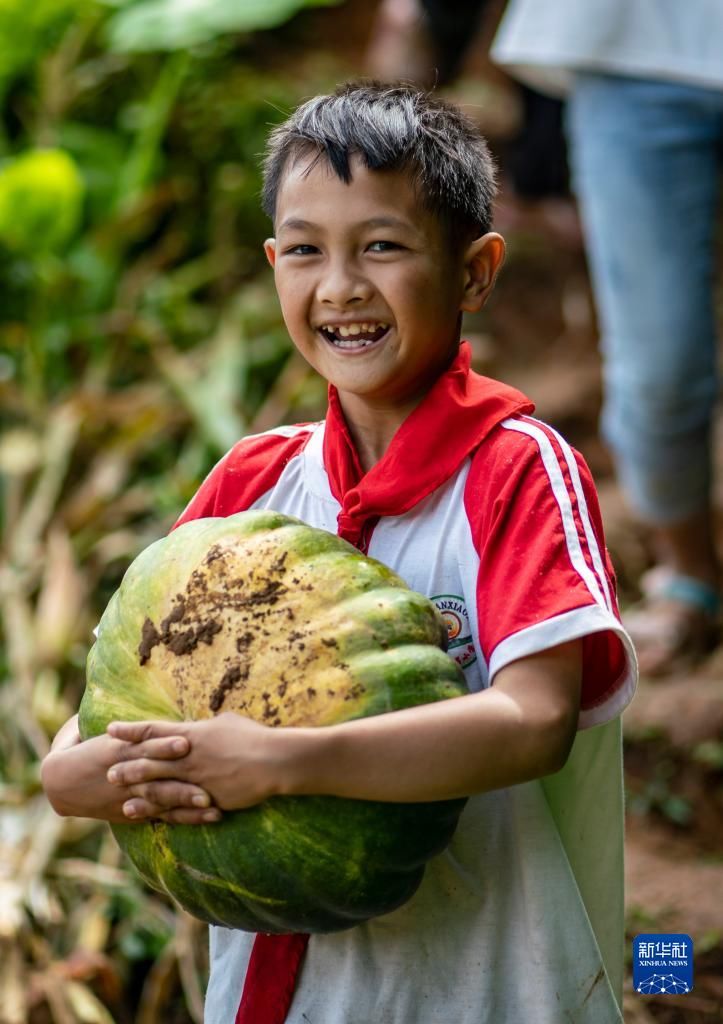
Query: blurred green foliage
[28,30]
[129,214]
[140,337]
[176,24]
[41,199]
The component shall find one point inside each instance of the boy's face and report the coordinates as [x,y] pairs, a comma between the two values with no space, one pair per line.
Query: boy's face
[370,288]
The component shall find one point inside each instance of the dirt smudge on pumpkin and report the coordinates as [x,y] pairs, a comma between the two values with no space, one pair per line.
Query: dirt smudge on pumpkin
[150,638]
[229,680]
[187,641]
[177,613]
[270,711]
[244,641]
[178,642]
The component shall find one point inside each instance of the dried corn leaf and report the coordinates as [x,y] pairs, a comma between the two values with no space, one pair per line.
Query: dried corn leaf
[281,396]
[43,904]
[21,452]
[53,987]
[96,967]
[79,869]
[50,707]
[104,480]
[158,987]
[11,908]
[60,437]
[94,927]
[62,596]
[187,967]
[13,984]
[210,392]
[86,1006]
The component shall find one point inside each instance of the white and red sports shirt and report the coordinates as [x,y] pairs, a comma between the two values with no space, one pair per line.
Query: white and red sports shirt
[493,516]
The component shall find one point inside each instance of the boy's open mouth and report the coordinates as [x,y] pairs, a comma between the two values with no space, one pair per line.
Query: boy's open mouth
[354,336]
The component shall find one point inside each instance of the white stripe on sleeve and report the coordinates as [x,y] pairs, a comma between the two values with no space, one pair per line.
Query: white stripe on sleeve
[584,515]
[592,580]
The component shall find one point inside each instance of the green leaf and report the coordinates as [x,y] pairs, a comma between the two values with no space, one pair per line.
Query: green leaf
[138,169]
[99,151]
[27,30]
[41,201]
[178,24]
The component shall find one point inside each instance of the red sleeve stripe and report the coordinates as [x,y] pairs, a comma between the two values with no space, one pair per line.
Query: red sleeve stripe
[595,581]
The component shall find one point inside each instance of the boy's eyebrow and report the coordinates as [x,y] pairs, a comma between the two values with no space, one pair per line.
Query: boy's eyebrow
[298,224]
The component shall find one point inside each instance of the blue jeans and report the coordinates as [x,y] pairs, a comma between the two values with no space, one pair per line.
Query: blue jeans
[646,159]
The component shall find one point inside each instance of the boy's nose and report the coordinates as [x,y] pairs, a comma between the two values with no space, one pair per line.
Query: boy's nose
[342,285]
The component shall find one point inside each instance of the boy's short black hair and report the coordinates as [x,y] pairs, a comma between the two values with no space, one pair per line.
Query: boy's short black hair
[392,127]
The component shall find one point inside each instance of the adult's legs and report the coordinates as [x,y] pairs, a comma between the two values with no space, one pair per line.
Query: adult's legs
[646,161]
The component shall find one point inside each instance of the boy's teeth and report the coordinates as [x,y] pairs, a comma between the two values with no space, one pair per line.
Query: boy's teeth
[357,335]
[350,330]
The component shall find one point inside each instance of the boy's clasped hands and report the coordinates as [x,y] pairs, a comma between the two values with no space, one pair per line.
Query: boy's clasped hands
[178,772]
[166,765]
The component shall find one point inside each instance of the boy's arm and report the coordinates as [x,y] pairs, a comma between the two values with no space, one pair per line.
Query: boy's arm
[519,729]
[74,773]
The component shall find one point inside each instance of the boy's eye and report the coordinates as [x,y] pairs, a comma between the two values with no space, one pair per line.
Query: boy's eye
[300,250]
[383,246]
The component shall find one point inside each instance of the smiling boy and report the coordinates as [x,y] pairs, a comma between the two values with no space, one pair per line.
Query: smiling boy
[381,200]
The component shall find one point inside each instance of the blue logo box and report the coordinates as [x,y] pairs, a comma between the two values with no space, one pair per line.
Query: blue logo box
[663,964]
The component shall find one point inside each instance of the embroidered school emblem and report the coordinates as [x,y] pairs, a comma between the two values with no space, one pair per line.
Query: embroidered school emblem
[454,612]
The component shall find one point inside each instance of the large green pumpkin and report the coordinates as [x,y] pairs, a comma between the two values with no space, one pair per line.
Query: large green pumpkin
[263,615]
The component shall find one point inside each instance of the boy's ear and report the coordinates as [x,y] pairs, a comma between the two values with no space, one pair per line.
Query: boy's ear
[482,260]
[270,250]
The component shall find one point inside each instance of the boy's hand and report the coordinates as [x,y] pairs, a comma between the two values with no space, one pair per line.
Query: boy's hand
[74,778]
[229,757]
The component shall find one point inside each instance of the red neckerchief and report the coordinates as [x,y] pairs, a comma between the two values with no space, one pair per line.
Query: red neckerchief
[453,418]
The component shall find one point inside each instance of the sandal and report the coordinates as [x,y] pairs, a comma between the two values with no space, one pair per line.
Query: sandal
[676,624]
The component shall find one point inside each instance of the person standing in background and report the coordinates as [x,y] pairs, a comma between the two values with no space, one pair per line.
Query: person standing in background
[429,42]
[644,84]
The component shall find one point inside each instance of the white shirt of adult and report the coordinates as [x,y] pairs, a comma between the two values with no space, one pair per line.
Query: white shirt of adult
[543,42]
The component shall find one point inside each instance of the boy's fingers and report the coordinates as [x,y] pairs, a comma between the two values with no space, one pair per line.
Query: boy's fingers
[164,748]
[183,816]
[136,732]
[129,773]
[138,809]
[169,794]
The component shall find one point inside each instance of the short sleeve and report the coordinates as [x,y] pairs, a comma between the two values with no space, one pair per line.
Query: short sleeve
[247,471]
[545,577]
